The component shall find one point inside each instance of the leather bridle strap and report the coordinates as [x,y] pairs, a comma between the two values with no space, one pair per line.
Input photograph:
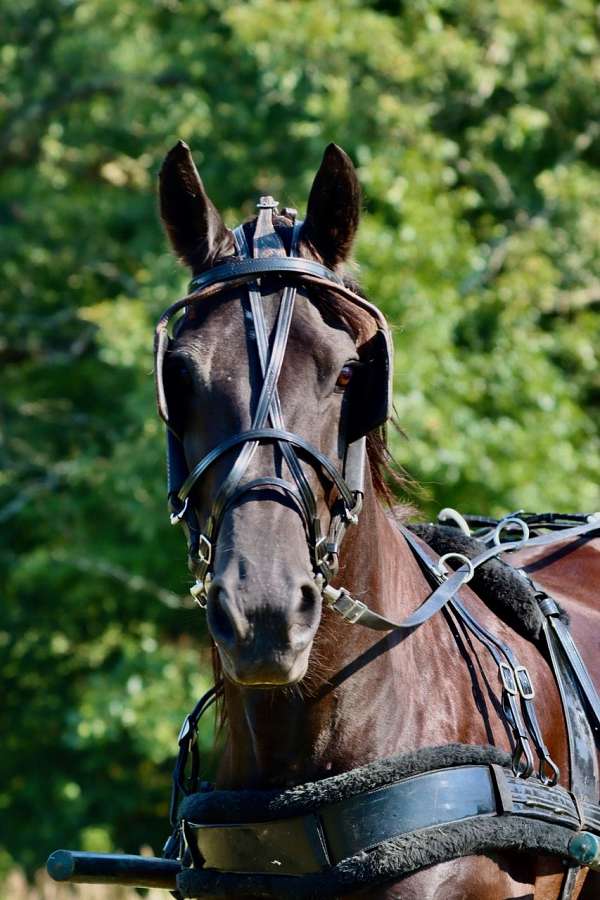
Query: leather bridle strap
[262,411]
[268,435]
[240,268]
[307,499]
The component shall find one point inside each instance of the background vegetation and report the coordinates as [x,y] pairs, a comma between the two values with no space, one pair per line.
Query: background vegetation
[474,124]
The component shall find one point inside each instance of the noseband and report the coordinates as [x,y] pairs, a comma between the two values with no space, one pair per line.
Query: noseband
[268,425]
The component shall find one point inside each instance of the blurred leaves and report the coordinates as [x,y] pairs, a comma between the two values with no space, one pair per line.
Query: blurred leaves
[475,130]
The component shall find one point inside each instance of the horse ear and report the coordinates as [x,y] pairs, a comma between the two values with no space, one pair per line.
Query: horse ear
[333,207]
[193,224]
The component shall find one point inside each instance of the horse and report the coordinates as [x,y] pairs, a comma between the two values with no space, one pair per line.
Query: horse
[307,695]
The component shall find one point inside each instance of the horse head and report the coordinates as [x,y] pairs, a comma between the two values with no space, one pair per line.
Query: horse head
[294,352]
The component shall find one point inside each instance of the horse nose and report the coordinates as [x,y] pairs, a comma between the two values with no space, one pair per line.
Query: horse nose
[226,621]
[305,615]
[261,634]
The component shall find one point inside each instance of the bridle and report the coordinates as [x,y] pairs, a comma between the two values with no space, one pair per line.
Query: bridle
[268,257]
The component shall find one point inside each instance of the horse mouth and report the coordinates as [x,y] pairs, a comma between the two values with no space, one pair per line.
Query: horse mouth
[277,671]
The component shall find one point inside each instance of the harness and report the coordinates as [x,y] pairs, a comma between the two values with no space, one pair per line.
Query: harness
[460,801]
[392,817]
[266,253]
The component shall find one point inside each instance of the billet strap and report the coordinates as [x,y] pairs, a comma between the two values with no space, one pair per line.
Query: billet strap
[583,759]
[358,613]
[182,782]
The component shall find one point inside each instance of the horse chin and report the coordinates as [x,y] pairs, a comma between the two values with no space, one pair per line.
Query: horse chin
[267,674]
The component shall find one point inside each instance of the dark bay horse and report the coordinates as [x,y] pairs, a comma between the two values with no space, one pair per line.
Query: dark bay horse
[308,695]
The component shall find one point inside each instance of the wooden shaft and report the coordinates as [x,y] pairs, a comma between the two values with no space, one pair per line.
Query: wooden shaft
[113,868]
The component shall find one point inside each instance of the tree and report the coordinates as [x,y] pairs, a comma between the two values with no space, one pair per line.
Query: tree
[474,128]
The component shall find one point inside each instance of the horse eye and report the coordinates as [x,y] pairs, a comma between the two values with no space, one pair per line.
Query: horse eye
[345,377]
[183,375]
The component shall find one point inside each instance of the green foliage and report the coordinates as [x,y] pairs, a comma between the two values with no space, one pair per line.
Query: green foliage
[475,130]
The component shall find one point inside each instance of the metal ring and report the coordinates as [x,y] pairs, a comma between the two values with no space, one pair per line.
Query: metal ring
[511,520]
[175,518]
[464,560]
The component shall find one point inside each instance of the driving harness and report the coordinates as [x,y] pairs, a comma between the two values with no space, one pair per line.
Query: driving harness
[270,254]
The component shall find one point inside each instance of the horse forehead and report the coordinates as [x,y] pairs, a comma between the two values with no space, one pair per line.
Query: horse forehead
[217,345]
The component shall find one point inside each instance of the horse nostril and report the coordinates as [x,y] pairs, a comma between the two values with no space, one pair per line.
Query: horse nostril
[310,597]
[220,618]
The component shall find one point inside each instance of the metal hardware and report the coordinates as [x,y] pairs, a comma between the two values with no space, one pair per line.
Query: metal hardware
[351,515]
[342,602]
[199,590]
[205,558]
[353,615]
[331,595]
[320,545]
[510,520]
[448,514]
[175,518]
[267,202]
[443,570]
[524,683]
[508,679]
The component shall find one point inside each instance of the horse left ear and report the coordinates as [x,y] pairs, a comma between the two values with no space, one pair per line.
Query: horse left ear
[333,208]
[192,221]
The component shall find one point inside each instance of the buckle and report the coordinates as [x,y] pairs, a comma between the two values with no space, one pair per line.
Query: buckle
[267,202]
[353,611]
[205,558]
[347,606]
[199,590]
[524,683]
[508,679]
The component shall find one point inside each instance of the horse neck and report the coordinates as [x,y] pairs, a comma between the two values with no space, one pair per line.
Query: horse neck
[339,717]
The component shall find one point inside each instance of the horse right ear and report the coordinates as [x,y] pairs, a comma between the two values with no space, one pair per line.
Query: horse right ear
[192,222]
